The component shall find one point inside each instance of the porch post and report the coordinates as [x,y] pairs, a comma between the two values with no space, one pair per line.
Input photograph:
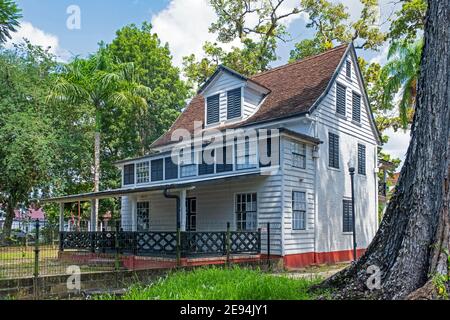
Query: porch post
[183,210]
[93,216]
[61,216]
[133,204]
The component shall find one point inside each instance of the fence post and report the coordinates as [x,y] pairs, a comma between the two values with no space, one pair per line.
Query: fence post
[268,244]
[92,236]
[178,247]
[228,242]
[117,245]
[36,261]
[259,240]
[61,241]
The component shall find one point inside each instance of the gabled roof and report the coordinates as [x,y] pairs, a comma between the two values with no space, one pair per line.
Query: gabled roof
[294,90]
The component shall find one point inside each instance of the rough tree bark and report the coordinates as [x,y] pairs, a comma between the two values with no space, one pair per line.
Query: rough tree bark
[412,243]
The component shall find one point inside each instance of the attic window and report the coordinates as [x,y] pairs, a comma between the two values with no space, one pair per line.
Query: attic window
[348,71]
[234,103]
[340,99]
[212,109]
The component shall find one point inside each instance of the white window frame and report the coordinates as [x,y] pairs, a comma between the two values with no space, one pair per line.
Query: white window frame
[303,211]
[298,150]
[138,177]
[138,225]
[236,212]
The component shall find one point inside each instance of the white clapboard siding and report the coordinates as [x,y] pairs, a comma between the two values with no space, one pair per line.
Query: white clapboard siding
[252,99]
[334,184]
[297,179]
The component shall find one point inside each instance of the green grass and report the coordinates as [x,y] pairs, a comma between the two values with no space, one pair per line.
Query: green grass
[222,284]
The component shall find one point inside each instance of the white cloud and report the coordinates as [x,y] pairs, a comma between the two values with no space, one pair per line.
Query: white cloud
[398,143]
[184,24]
[38,37]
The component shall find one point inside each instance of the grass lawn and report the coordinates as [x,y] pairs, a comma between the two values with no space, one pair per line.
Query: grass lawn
[222,284]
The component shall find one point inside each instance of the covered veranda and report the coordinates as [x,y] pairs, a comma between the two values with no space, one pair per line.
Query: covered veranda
[176,242]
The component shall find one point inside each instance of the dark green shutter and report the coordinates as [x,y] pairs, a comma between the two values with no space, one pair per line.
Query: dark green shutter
[234,103]
[347,216]
[333,150]
[361,159]
[356,112]
[348,71]
[212,109]
[340,99]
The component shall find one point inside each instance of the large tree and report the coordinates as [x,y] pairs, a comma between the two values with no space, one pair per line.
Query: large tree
[27,151]
[9,19]
[102,85]
[153,65]
[411,247]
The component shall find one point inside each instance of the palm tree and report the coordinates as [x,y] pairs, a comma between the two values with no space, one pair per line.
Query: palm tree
[9,19]
[402,72]
[100,83]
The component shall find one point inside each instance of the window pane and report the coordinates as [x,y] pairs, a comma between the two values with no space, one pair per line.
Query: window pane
[171,169]
[157,169]
[142,172]
[143,216]
[128,174]
[246,211]
[298,210]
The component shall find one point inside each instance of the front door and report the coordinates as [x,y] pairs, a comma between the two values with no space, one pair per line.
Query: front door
[191,214]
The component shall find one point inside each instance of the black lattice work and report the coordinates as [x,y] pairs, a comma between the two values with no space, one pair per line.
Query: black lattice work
[203,242]
[244,242]
[156,242]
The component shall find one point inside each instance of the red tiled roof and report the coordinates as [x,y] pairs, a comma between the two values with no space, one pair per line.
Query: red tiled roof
[294,88]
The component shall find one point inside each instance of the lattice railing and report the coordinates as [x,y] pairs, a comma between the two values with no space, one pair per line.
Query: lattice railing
[151,242]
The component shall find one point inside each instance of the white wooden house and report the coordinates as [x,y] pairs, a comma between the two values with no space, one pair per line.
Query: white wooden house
[321,123]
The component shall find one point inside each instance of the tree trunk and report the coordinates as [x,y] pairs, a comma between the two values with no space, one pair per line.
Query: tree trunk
[412,243]
[7,226]
[96,178]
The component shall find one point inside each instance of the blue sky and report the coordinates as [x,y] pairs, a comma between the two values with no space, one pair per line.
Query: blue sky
[181,23]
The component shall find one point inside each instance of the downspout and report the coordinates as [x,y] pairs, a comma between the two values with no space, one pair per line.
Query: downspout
[178,234]
[316,191]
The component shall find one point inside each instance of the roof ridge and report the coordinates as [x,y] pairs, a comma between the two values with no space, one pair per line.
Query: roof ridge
[300,61]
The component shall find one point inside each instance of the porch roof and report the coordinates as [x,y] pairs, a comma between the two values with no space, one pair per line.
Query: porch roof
[133,190]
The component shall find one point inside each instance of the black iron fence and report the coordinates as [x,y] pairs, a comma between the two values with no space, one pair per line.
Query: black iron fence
[181,243]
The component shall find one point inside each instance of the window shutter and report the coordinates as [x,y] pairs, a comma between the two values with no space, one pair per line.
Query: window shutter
[128,174]
[356,112]
[333,150]
[340,99]
[348,71]
[361,159]
[224,164]
[234,103]
[204,168]
[171,169]
[157,169]
[212,109]
[347,216]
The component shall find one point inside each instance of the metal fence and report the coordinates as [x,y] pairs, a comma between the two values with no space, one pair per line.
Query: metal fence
[43,250]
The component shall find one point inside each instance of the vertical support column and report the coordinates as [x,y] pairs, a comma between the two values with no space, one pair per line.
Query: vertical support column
[93,216]
[61,216]
[183,210]
[133,204]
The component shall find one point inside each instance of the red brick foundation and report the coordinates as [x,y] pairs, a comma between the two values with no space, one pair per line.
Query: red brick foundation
[302,260]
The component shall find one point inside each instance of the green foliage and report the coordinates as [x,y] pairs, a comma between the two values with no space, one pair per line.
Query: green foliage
[223,284]
[9,19]
[29,143]
[167,92]
[330,21]
[401,74]
[409,21]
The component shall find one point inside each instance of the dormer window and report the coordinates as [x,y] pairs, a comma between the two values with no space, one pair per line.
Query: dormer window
[234,103]
[212,109]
